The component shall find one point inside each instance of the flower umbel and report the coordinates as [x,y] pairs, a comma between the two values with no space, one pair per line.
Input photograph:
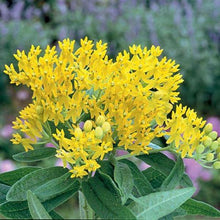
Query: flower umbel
[122,103]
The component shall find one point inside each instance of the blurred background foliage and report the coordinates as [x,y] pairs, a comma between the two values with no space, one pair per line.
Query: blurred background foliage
[187,30]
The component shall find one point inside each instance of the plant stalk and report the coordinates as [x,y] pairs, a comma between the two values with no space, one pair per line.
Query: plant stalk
[86,211]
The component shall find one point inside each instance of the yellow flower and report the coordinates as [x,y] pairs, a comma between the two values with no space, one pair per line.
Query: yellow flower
[26,142]
[123,102]
[185,130]
[91,165]
[78,171]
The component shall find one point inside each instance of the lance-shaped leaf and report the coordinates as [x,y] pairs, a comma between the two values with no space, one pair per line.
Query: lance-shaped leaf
[3,191]
[163,164]
[176,174]
[9,178]
[35,155]
[32,181]
[159,204]
[155,177]
[37,210]
[19,210]
[55,215]
[107,168]
[141,183]
[104,198]
[56,187]
[124,178]
[159,162]
[193,207]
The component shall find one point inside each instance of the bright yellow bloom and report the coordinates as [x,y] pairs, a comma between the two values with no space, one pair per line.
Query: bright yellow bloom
[189,136]
[123,102]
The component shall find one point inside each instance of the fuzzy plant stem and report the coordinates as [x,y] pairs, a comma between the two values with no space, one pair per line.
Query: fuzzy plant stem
[85,210]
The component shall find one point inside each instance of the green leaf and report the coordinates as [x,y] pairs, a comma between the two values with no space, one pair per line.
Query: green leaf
[175,175]
[177,212]
[159,162]
[15,210]
[107,168]
[32,181]
[37,210]
[58,200]
[35,155]
[9,178]
[19,210]
[155,177]
[193,207]
[124,178]
[141,183]
[159,204]
[55,215]
[56,187]
[186,181]
[3,191]
[162,163]
[104,198]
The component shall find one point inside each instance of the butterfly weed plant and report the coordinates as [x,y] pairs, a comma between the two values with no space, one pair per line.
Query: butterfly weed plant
[89,107]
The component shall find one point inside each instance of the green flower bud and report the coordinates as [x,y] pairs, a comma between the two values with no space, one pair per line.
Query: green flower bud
[208,128]
[218,150]
[218,141]
[218,156]
[99,132]
[216,165]
[87,126]
[207,142]
[214,145]
[209,157]
[39,109]
[100,120]
[200,149]
[106,127]
[213,135]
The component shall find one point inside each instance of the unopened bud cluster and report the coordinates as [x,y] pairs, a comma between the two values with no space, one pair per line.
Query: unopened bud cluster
[86,145]
[209,149]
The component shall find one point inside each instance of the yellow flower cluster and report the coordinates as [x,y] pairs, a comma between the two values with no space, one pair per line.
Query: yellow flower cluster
[85,146]
[192,137]
[124,103]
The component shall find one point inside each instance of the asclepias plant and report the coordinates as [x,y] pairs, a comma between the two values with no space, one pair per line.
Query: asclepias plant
[90,107]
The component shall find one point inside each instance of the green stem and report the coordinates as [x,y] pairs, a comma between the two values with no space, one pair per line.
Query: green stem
[52,141]
[42,142]
[69,125]
[47,127]
[161,149]
[47,132]
[98,96]
[85,210]
[150,152]
[80,118]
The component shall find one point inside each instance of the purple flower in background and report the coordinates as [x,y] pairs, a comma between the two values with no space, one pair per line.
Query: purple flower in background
[6,131]
[121,152]
[143,166]
[59,163]
[50,145]
[81,124]
[6,165]
[16,11]
[215,122]
[195,172]
[22,95]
